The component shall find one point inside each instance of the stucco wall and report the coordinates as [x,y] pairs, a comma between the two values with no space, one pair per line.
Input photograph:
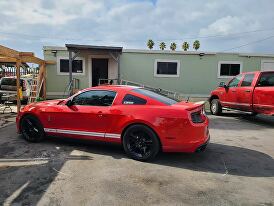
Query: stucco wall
[198,75]
[57,84]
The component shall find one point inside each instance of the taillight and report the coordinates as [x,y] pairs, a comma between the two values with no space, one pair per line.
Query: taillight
[198,116]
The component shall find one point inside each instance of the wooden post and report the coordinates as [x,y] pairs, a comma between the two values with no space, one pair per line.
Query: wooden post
[70,73]
[18,65]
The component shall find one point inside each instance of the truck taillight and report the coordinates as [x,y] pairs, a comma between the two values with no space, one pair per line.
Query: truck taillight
[198,116]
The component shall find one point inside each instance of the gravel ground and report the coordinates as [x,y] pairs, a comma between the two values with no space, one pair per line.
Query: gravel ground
[236,169]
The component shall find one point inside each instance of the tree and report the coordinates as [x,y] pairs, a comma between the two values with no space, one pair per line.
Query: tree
[150,44]
[196,45]
[185,46]
[162,45]
[173,46]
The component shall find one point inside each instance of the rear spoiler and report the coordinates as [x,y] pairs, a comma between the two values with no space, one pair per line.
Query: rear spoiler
[196,106]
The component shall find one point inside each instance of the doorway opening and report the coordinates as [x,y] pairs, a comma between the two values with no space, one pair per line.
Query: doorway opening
[99,70]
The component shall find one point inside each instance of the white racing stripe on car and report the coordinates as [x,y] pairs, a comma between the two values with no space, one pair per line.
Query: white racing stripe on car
[112,135]
[95,134]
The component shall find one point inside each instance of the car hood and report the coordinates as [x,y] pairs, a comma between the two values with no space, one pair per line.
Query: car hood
[48,102]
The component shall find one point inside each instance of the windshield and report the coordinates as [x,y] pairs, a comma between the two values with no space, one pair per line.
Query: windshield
[159,97]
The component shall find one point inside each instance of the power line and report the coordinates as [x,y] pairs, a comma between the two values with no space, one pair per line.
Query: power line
[253,42]
[132,40]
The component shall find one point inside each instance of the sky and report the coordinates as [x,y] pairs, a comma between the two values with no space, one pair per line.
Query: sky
[219,25]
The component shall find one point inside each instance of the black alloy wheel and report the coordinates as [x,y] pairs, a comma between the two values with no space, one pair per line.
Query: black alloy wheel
[141,143]
[31,129]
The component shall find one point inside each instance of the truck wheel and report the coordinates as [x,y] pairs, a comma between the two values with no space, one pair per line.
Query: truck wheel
[215,107]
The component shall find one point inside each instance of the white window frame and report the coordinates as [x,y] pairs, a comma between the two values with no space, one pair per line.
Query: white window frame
[228,62]
[166,75]
[73,73]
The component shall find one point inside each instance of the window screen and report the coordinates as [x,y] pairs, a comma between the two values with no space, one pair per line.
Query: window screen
[77,66]
[167,68]
[247,81]
[95,98]
[229,69]
[266,80]
[131,99]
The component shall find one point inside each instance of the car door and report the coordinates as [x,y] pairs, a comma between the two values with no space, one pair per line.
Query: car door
[230,95]
[263,96]
[245,92]
[88,115]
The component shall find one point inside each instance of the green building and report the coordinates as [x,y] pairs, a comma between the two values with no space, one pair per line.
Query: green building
[186,72]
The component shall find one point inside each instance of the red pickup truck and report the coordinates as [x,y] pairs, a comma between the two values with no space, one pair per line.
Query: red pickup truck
[251,92]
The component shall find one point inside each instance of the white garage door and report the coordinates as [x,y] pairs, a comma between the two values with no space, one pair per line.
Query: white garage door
[267,65]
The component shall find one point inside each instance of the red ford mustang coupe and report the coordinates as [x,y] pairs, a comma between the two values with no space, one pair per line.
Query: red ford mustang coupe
[143,121]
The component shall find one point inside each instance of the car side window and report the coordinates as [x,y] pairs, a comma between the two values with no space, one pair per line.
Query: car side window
[95,98]
[131,99]
[235,81]
[247,81]
[266,80]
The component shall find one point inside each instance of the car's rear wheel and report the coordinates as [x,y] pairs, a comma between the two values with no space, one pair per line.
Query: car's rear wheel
[31,128]
[215,107]
[141,143]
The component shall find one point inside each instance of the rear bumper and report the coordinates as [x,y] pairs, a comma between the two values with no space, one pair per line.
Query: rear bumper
[190,146]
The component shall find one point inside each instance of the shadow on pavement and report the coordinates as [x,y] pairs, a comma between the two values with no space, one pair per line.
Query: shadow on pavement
[25,184]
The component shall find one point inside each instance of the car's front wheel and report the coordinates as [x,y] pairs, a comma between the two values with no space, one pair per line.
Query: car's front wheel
[31,129]
[215,107]
[141,143]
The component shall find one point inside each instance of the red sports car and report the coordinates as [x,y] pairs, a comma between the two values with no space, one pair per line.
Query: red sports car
[143,121]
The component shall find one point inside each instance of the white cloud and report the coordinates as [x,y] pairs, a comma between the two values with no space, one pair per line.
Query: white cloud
[230,25]
[59,13]
[130,23]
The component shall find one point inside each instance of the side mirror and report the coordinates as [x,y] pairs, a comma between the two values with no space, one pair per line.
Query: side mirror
[222,84]
[69,103]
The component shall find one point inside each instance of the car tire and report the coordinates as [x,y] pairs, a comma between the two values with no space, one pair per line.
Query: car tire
[32,129]
[215,107]
[141,143]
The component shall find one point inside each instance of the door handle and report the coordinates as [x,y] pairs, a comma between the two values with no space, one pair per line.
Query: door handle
[100,113]
[247,90]
[233,91]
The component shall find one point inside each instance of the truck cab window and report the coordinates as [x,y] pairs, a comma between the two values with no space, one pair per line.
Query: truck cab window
[247,81]
[235,81]
[266,80]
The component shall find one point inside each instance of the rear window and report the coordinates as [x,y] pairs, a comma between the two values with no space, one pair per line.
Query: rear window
[155,96]
[10,82]
[266,80]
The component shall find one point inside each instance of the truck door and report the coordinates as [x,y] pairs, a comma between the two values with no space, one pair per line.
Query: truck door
[230,96]
[263,97]
[245,92]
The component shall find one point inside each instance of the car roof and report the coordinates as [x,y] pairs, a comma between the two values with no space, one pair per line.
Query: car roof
[114,87]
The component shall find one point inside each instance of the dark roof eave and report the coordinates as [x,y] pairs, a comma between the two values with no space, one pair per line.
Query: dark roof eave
[94,48]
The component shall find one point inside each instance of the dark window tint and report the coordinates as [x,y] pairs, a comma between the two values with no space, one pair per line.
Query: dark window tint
[167,68]
[247,81]
[95,98]
[230,69]
[266,80]
[235,81]
[158,97]
[77,66]
[131,99]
